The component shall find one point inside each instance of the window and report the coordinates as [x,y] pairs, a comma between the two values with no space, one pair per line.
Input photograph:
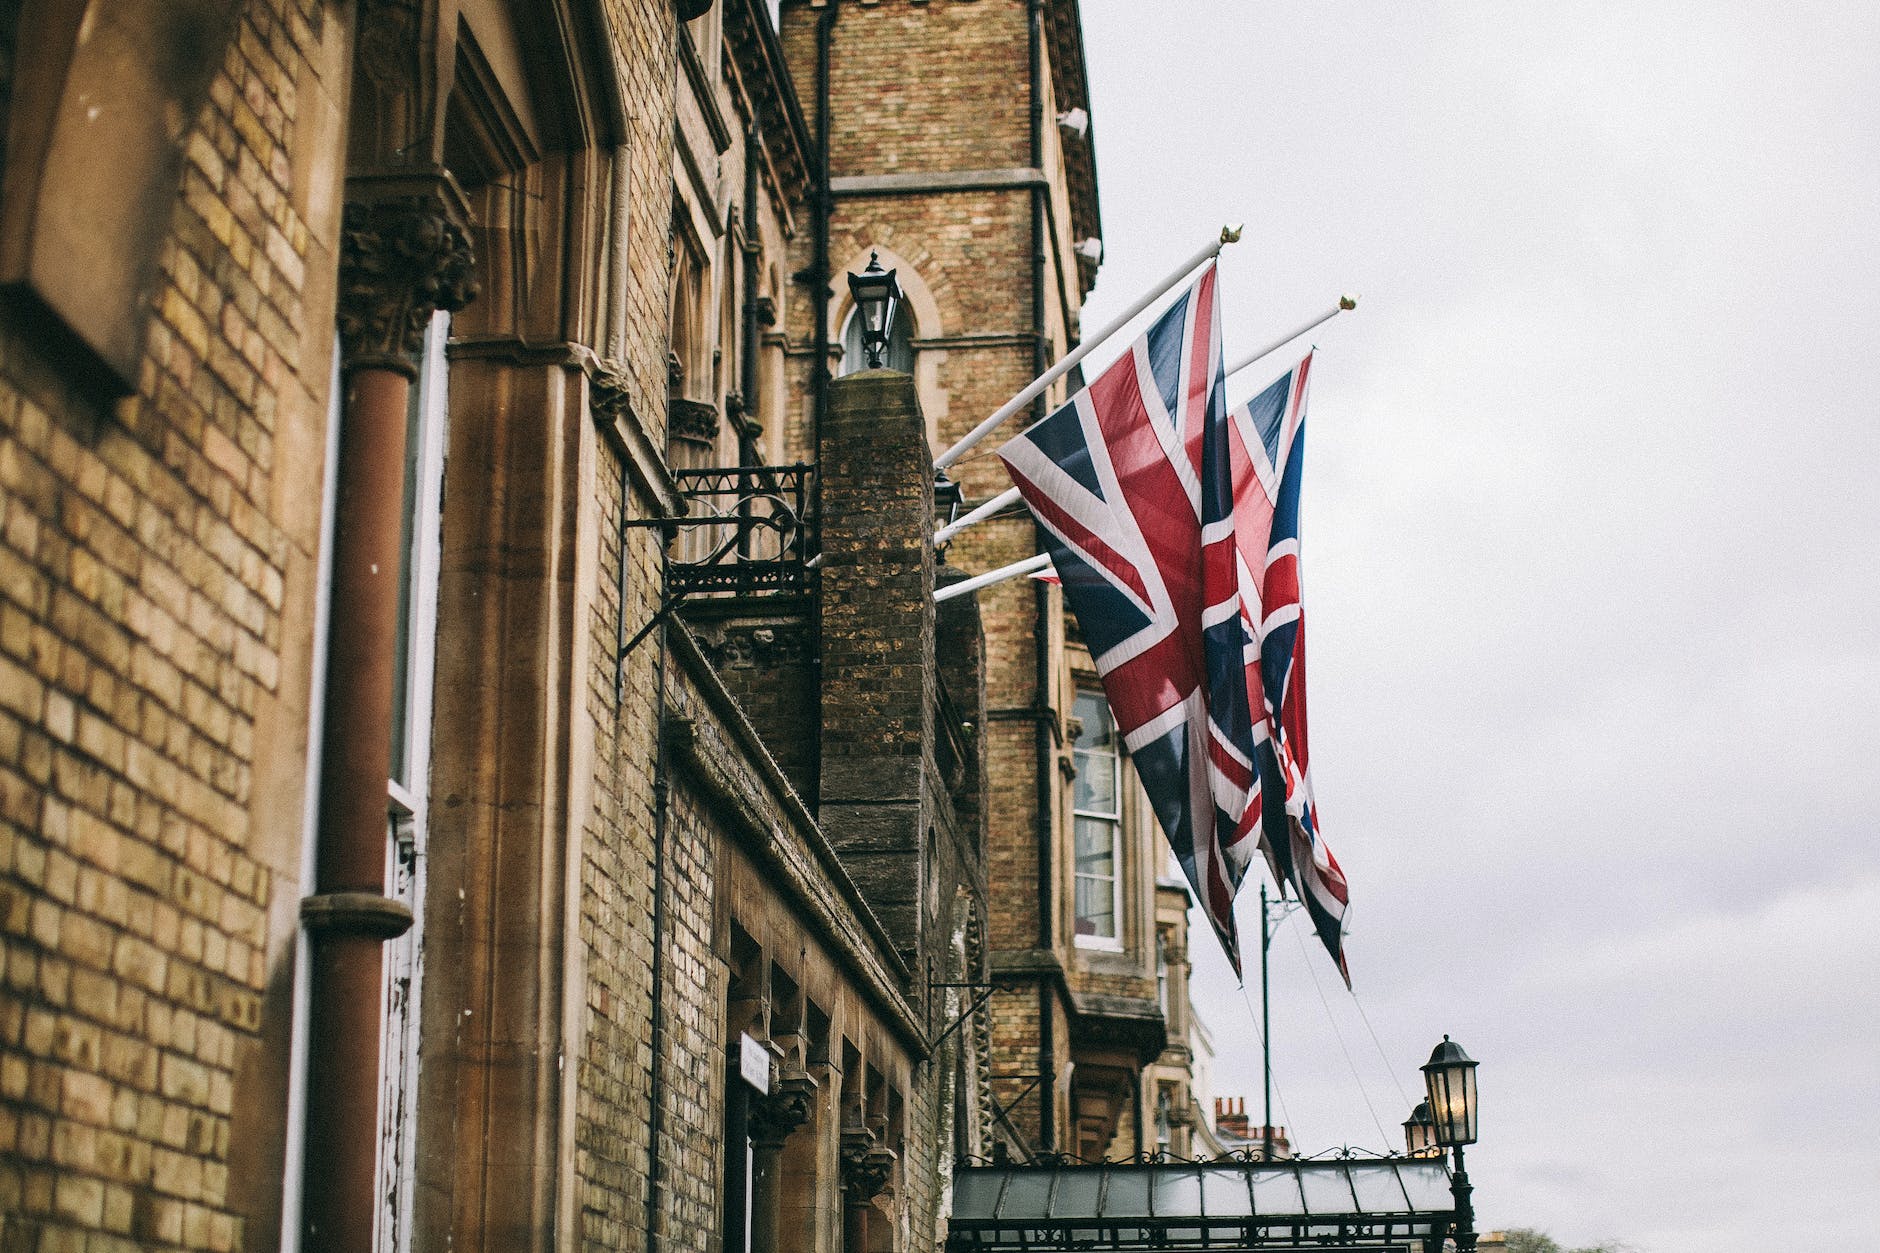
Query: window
[1097,814]
[1161,970]
[408,785]
[898,355]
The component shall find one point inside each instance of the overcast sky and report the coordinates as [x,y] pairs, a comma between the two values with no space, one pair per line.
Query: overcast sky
[1590,559]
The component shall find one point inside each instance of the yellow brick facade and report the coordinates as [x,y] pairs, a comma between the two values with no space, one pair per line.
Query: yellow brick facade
[626,861]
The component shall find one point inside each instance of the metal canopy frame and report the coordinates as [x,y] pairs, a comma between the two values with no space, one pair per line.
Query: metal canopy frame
[1368,1204]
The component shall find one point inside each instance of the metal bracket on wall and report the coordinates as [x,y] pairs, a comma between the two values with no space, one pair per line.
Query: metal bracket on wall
[762,539]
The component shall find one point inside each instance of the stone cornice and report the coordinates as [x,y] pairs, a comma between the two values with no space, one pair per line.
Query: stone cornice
[757,57]
[923,182]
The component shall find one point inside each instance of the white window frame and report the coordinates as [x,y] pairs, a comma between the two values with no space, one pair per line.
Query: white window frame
[1104,943]
[407,809]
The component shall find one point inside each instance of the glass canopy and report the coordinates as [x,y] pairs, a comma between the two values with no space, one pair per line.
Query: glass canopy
[1364,1205]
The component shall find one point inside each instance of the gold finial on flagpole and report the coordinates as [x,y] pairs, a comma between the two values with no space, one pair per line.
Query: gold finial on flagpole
[1347,303]
[1231,234]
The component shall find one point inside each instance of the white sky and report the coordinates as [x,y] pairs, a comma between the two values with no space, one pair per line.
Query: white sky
[1591,574]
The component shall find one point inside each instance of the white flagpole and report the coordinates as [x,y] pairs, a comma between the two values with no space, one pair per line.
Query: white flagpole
[1004,500]
[1228,235]
[1344,304]
[1029,565]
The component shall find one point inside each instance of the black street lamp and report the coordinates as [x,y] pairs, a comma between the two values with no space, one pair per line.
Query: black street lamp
[877,296]
[1419,1133]
[1449,1078]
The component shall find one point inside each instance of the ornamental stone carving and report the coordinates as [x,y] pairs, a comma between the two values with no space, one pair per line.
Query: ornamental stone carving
[610,391]
[759,646]
[403,257]
[866,1166]
[772,1118]
[695,421]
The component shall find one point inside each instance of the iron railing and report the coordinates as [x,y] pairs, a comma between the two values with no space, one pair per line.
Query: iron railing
[747,530]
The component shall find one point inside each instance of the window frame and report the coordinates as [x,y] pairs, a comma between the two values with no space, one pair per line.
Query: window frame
[408,799]
[1113,943]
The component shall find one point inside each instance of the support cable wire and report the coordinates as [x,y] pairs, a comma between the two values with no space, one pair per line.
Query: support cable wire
[1259,1032]
[1339,1035]
[1388,1068]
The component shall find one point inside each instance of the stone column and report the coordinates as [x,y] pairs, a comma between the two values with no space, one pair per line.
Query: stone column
[879,684]
[866,1166]
[404,254]
[771,1120]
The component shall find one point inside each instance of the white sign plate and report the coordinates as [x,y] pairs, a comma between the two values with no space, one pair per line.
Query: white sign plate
[754,1062]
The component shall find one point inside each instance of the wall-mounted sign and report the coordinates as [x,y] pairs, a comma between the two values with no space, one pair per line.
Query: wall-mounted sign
[754,1062]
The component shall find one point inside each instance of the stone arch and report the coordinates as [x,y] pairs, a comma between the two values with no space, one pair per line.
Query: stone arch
[917,299]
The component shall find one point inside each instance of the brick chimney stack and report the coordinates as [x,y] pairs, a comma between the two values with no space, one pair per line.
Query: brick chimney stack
[1230,1116]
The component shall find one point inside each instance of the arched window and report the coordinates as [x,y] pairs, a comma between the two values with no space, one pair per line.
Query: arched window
[899,354]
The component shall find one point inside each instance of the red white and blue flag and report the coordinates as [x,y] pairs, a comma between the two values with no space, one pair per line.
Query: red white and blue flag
[1164,518]
[1115,476]
[1264,442]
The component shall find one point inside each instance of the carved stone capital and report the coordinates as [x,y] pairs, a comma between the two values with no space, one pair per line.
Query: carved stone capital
[866,1166]
[772,1118]
[765,644]
[695,421]
[405,253]
[610,391]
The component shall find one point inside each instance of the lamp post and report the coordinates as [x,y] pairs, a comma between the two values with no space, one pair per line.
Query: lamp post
[1449,1078]
[1419,1132]
[877,297]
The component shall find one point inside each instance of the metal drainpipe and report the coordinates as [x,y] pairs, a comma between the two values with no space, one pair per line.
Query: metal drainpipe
[819,372]
[1041,651]
[747,364]
[349,918]
[1047,762]
[747,374]
[655,1068]
[1139,1114]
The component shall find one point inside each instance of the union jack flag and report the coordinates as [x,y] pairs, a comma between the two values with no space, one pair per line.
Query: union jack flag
[1121,479]
[1264,442]
[1174,527]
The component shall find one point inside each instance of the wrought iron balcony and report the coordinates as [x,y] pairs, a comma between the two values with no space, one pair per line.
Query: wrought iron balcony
[748,530]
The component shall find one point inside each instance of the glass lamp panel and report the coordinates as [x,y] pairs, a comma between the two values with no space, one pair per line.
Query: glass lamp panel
[1452,1103]
[1467,1127]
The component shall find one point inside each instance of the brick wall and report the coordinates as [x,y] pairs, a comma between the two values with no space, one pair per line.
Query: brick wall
[156,563]
[614,1051]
